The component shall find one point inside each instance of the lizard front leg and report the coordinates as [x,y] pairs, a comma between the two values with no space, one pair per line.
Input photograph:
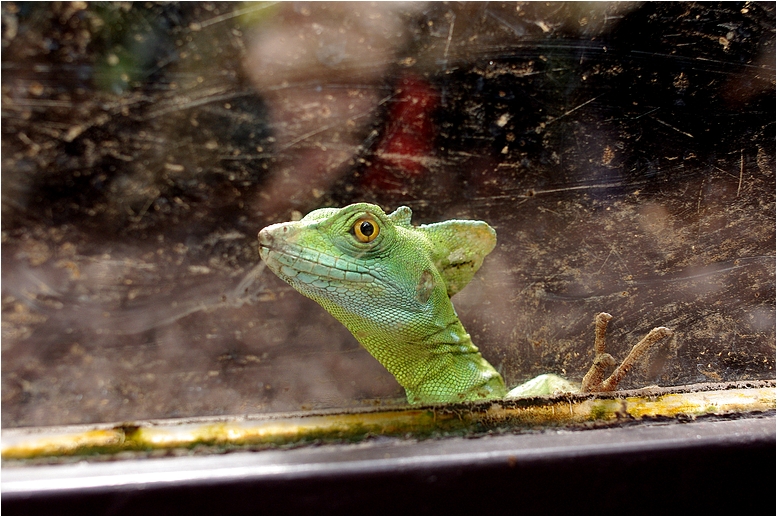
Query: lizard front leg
[594,380]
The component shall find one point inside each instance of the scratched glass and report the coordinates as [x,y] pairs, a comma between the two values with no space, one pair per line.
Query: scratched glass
[624,153]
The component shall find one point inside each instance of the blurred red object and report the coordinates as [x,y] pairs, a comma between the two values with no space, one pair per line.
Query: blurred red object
[408,140]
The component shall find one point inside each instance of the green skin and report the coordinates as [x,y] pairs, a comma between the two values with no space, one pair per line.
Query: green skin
[390,285]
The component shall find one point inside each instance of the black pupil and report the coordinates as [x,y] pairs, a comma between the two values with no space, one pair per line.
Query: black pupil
[366,228]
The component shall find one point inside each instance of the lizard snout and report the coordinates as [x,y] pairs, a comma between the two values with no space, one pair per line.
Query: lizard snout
[265,237]
[273,237]
[266,242]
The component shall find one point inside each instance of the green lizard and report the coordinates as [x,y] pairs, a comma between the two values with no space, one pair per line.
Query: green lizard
[390,284]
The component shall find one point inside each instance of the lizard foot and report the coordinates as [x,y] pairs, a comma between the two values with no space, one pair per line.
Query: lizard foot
[594,380]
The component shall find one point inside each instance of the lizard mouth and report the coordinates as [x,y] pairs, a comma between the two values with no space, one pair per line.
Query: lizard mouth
[306,265]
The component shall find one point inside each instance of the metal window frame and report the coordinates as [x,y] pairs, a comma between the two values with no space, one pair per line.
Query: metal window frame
[709,465]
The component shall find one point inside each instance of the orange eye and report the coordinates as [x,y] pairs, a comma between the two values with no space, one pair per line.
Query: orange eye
[366,229]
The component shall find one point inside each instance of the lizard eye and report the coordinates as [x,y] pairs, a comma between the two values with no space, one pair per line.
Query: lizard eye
[366,229]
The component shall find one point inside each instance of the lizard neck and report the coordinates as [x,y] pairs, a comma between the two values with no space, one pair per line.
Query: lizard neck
[443,366]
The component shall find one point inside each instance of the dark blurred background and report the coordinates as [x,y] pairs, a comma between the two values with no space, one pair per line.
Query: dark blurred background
[625,154]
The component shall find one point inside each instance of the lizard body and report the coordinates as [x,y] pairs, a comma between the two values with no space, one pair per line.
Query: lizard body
[390,284]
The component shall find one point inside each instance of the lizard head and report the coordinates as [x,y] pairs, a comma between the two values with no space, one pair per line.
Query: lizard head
[359,261]
[335,255]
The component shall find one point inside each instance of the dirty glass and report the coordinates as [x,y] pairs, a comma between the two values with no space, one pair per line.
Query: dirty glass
[623,152]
